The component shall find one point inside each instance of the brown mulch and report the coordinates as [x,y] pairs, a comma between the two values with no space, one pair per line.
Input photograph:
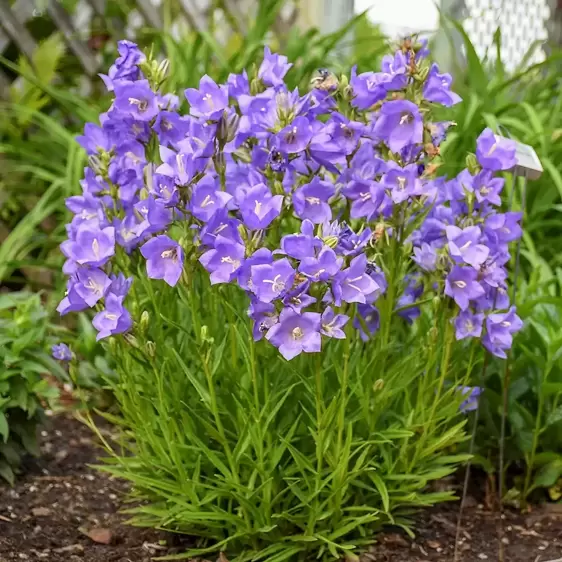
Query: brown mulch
[63,511]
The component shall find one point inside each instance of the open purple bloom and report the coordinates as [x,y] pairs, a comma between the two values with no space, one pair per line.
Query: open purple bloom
[399,124]
[468,325]
[322,267]
[91,246]
[495,154]
[114,319]
[259,207]
[368,317]
[502,228]
[402,182]
[270,281]
[136,99]
[425,257]
[264,316]
[394,71]
[94,139]
[472,394]
[297,298]
[368,88]
[126,66]
[273,68]
[303,245]
[208,199]
[311,200]
[437,88]
[224,261]
[464,246]
[295,333]
[92,284]
[462,286]
[61,352]
[500,328]
[120,285]
[331,324]
[209,100]
[295,137]
[164,259]
[353,284]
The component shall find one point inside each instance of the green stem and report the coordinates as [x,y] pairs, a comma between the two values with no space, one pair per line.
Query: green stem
[536,435]
[319,443]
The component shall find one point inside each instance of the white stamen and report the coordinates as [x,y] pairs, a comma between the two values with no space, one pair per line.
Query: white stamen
[276,285]
[460,284]
[96,248]
[297,333]
[180,164]
[207,201]
[506,324]
[228,259]
[312,200]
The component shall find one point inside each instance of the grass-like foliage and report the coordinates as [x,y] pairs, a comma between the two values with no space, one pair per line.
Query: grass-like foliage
[269,459]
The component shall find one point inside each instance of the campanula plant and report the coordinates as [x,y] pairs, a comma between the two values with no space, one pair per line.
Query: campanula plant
[289,289]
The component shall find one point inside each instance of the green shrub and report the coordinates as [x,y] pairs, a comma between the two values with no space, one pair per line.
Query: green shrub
[224,440]
[24,360]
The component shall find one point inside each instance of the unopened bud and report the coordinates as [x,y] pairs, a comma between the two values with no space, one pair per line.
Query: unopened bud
[150,348]
[436,301]
[131,340]
[472,164]
[205,335]
[379,384]
[144,320]
[331,241]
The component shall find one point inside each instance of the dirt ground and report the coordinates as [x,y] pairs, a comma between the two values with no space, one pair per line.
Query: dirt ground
[63,511]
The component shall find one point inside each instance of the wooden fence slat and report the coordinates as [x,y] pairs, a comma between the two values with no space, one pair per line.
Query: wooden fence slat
[193,15]
[236,13]
[22,10]
[65,25]
[15,30]
[98,6]
[150,13]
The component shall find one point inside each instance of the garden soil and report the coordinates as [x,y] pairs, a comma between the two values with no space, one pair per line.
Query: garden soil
[62,510]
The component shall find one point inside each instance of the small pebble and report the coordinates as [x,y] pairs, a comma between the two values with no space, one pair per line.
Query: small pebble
[44,434]
[483,556]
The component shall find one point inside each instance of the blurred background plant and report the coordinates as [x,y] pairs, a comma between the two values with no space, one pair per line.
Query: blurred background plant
[24,390]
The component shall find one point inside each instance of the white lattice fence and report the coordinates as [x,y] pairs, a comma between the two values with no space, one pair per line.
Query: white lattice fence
[523,24]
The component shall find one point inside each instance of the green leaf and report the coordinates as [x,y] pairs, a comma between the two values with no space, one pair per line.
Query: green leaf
[4,428]
[7,473]
[547,475]
[381,487]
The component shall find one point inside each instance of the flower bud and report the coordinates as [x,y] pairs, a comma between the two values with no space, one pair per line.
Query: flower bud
[150,347]
[472,164]
[379,384]
[131,340]
[205,335]
[331,241]
[144,320]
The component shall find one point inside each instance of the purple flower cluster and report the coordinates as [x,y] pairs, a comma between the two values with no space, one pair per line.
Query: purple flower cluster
[295,198]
